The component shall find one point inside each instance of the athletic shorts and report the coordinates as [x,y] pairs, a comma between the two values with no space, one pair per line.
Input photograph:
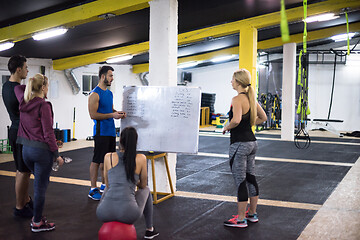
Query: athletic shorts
[103,145]
[17,152]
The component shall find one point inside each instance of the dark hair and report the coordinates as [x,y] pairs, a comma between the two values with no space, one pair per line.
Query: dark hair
[104,70]
[15,62]
[128,141]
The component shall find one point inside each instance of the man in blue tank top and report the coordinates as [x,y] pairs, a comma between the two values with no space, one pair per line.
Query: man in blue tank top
[101,110]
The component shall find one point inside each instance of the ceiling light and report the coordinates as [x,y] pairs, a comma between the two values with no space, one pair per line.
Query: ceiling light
[342,37]
[49,33]
[321,17]
[222,58]
[188,64]
[119,59]
[6,45]
[106,16]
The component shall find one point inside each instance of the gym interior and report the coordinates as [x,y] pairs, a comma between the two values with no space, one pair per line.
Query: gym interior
[308,179]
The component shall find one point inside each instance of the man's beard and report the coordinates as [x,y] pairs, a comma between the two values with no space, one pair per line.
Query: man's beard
[107,82]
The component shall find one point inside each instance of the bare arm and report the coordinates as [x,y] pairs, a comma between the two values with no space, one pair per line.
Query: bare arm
[141,159]
[237,114]
[107,165]
[261,115]
[106,169]
[93,105]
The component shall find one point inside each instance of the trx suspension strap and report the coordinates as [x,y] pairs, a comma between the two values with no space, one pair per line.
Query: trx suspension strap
[303,106]
[284,27]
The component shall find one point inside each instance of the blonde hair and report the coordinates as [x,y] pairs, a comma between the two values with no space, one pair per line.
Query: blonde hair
[243,77]
[34,85]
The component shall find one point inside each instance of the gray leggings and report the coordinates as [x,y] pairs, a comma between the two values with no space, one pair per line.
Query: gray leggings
[127,210]
[242,164]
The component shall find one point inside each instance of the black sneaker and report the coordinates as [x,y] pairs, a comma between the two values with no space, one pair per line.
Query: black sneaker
[30,203]
[43,226]
[151,234]
[25,212]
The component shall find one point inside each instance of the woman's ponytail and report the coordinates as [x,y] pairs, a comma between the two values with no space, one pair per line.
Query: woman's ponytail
[243,77]
[128,142]
[34,85]
[253,107]
[28,90]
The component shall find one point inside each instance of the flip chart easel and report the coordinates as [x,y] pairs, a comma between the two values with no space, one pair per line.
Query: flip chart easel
[152,156]
[166,118]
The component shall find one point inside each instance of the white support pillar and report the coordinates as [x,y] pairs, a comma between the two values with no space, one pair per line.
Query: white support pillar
[163,70]
[288,92]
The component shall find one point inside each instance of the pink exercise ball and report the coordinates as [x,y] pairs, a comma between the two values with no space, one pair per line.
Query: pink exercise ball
[117,231]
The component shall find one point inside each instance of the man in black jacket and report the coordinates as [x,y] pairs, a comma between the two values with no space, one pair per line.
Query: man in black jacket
[19,70]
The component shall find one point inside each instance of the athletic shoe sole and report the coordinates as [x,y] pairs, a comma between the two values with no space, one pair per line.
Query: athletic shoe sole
[151,237]
[252,220]
[42,229]
[235,225]
[93,198]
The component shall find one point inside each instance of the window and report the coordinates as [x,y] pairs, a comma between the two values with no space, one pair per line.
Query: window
[89,82]
[4,77]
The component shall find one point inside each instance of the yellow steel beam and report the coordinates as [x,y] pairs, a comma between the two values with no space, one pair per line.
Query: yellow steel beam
[215,31]
[271,19]
[265,44]
[311,36]
[71,17]
[248,51]
[71,62]
[144,67]
[248,39]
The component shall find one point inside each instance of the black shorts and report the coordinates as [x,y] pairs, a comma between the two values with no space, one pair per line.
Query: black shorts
[103,145]
[17,152]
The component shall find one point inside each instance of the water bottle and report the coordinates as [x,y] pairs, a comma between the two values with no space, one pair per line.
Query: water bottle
[55,166]
[66,159]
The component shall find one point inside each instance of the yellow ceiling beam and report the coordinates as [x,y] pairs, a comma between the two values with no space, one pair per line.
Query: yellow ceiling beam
[271,19]
[71,17]
[313,35]
[266,44]
[144,67]
[215,31]
[102,56]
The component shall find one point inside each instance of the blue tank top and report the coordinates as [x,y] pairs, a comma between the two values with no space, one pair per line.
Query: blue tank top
[104,127]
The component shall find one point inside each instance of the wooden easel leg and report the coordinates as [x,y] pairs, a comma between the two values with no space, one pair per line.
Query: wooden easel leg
[168,173]
[154,181]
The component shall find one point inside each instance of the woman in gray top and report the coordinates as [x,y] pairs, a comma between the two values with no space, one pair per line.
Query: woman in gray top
[123,171]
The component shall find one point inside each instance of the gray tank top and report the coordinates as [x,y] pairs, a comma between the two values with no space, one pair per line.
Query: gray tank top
[119,186]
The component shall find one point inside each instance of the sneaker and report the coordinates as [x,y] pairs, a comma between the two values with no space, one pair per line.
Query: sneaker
[30,203]
[235,222]
[251,217]
[94,194]
[151,234]
[42,219]
[42,226]
[102,188]
[25,212]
